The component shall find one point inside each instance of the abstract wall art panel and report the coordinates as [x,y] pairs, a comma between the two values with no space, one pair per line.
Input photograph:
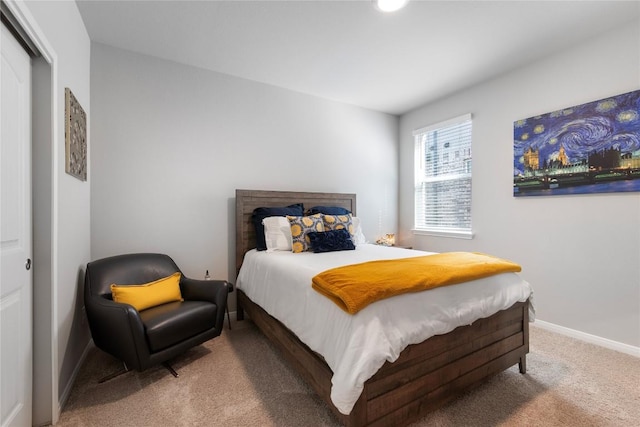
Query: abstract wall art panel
[75,137]
[588,148]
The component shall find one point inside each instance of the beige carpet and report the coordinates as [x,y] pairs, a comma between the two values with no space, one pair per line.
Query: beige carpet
[238,379]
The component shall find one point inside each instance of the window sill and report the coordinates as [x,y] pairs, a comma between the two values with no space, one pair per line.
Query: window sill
[455,234]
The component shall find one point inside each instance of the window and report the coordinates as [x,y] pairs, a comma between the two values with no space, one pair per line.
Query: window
[443,178]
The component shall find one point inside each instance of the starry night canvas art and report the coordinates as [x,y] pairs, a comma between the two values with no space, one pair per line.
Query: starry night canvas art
[588,148]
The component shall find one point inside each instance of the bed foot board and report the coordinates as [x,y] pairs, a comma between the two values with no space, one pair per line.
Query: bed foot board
[426,376]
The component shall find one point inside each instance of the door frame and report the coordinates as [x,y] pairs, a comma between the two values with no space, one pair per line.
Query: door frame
[28,23]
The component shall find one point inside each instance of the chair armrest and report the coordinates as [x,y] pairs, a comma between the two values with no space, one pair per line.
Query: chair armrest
[215,291]
[117,329]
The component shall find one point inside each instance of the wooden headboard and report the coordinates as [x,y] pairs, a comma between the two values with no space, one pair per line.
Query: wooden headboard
[248,200]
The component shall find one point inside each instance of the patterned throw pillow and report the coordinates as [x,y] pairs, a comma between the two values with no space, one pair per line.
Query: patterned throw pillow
[337,222]
[300,226]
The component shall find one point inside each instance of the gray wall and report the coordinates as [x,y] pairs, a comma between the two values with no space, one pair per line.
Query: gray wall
[171,143]
[580,253]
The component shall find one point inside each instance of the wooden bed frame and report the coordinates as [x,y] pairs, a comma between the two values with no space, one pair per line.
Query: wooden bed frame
[425,376]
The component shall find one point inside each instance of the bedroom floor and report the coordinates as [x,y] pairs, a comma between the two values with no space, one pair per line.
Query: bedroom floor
[240,379]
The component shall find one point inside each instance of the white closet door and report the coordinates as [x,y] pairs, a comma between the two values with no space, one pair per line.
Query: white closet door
[15,234]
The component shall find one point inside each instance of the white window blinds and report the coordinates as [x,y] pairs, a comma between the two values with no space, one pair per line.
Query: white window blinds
[443,177]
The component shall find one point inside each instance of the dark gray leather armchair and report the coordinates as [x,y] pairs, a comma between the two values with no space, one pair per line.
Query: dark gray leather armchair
[157,334]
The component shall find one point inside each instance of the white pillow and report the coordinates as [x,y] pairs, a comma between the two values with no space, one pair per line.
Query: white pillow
[358,235]
[277,233]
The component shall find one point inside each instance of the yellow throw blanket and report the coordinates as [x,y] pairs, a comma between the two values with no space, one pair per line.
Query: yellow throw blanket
[353,287]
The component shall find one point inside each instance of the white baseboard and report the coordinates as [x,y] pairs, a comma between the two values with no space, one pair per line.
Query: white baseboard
[592,339]
[67,390]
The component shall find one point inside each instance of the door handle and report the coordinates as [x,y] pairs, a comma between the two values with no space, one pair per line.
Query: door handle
[27,264]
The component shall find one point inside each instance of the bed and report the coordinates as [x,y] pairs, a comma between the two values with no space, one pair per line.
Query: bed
[424,376]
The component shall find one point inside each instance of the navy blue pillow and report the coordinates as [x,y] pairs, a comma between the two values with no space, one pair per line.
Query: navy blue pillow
[329,210]
[330,241]
[261,213]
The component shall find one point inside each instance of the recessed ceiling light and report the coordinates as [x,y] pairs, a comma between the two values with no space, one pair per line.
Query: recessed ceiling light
[390,5]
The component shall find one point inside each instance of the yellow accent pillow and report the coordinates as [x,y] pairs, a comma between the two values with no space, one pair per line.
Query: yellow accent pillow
[150,294]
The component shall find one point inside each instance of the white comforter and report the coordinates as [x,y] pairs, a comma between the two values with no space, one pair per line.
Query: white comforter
[356,346]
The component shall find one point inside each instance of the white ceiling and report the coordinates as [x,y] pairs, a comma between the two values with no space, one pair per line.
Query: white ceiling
[350,52]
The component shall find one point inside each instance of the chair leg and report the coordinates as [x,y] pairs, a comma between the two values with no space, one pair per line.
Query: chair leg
[170,369]
[228,317]
[124,370]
